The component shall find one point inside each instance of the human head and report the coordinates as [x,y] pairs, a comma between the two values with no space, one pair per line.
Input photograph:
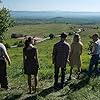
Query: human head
[26,43]
[95,37]
[63,35]
[30,40]
[76,38]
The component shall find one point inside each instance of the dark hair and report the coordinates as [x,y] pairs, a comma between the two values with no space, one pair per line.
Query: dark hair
[29,39]
[63,35]
[95,34]
[26,44]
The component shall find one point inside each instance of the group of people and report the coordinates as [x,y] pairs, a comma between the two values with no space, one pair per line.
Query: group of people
[63,53]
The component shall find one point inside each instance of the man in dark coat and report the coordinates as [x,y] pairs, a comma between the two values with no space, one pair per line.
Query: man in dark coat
[60,59]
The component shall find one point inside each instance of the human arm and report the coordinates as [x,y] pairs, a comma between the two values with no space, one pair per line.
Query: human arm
[94,49]
[54,54]
[6,56]
[36,56]
[23,57]
[81,49]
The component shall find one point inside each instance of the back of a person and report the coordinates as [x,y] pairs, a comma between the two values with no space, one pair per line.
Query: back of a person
[76,48]
[98,46]
[30,53]
[1,52]
[62,53]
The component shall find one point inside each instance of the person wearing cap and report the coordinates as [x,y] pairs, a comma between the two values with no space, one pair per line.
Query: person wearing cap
[4,58]
[60,58]
[75,55]
[95,53]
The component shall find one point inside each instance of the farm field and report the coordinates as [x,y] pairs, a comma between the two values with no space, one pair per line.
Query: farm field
[83,89]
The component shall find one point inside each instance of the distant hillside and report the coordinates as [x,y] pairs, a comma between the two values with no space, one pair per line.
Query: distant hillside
[56,17]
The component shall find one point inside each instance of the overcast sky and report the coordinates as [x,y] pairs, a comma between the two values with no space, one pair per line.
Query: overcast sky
[53,5]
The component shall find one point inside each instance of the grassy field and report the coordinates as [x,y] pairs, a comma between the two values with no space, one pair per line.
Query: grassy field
[83,89]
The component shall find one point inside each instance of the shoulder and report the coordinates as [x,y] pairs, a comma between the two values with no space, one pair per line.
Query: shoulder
[67,44]
[98,41]
[80,43]
[56,44]
[2,46]
[24,49]
[34,48]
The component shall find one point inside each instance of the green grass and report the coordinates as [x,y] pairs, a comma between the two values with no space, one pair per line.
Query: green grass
[84,89]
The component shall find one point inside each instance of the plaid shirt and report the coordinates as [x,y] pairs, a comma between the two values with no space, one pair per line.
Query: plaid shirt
[61,53]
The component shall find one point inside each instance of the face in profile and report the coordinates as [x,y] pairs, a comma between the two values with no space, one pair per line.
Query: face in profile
[94,38]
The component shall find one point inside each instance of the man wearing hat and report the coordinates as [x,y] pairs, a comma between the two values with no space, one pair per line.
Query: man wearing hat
[60,58]
[95,54]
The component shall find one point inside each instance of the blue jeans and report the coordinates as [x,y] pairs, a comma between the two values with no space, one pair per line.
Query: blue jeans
[93,62]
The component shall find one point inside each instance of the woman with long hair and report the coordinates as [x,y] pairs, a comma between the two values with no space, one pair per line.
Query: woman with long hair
[75,55]
[31,64]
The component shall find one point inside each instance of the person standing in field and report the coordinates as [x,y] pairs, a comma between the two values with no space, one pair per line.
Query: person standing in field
[4,58]
[31,64]
[75,55]
[95,54]
[60,58]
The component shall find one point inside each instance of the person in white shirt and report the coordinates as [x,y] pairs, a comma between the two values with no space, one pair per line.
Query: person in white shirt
[3,59]
[95,53]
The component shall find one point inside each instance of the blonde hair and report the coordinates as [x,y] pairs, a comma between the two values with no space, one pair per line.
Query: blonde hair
[76,38]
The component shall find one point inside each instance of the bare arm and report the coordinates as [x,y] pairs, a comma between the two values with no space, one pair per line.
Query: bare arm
[36,55]
[8,59]
[81,50]
[6,54]
[71,52]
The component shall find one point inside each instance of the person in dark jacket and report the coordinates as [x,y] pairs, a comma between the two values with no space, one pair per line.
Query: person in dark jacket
[60,58]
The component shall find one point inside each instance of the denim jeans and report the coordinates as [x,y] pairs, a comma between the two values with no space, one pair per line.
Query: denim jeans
[93,63]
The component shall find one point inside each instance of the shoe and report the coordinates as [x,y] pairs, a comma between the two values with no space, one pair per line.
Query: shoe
[62,86]
[56,86]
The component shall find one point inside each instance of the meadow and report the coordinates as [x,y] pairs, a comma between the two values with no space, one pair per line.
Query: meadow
[83,89]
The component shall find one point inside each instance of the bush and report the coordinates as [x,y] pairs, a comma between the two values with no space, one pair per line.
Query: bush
[51,36]
[16,35]
[19,43]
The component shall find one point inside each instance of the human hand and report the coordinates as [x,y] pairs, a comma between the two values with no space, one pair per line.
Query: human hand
[9,63]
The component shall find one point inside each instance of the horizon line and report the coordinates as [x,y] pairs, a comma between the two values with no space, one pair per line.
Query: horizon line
[55,11]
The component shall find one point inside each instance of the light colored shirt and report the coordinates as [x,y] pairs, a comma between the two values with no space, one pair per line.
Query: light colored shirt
[3,51]
[96,47]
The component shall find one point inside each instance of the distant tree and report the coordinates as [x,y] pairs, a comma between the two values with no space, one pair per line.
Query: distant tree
[6,21]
